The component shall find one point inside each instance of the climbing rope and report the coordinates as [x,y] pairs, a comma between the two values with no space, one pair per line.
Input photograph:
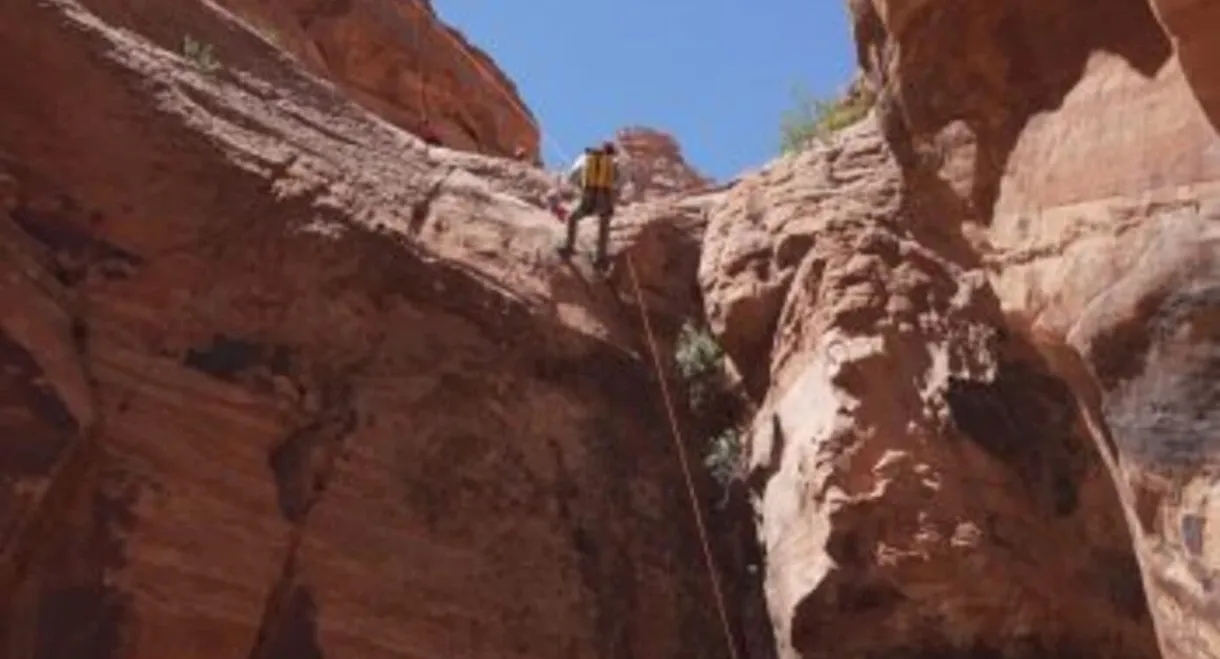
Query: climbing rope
[675,431]
[676,435]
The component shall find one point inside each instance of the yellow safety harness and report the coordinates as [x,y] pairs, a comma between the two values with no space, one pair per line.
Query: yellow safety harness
[599,171]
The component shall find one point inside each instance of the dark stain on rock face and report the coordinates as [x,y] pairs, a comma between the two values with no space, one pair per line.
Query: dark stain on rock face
[1119,354]
[843,600]
[226,357]
[866,597]
[288,628]
[35,424]
[1147,502]
[1117,574]
[297,635]
[454,478]
[223,357]
[1164,410]
[302,462]
[930,640]
[1025,419]
[73,245]
[1192,533]
[1064,494]
[80,614]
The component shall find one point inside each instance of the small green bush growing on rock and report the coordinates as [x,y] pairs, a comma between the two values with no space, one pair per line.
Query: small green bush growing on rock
[200,53]
[724,456]
[699,357]
[814,118]
[700,362]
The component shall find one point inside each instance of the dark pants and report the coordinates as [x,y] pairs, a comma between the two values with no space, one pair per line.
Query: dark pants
[592,202]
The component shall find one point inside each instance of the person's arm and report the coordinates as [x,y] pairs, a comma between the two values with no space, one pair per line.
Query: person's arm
[573,176]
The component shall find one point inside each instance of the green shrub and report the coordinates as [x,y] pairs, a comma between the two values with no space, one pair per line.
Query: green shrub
[200,53]
[698,354]
[813,118]
[724,455]
[700,362]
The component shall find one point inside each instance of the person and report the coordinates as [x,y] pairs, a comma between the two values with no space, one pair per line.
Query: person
[599,176]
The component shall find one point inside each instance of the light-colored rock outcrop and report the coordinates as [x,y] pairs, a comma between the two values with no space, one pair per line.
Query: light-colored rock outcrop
[657,166]
[924,482]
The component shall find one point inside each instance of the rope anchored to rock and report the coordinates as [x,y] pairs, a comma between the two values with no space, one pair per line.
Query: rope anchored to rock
[676,435]
[675,430]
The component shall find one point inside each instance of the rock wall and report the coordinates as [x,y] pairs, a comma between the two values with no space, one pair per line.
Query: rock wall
[279,382]
[1092,199]
[980,328]
[1189,24]
[657,166]
[924,481]
[397,58]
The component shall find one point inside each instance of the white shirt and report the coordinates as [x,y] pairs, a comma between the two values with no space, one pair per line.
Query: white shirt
[578,167]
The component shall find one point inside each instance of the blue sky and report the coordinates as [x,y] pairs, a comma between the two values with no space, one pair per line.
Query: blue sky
[717,74]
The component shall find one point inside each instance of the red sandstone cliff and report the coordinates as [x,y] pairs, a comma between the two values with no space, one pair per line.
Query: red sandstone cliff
[397,58]
[656,165]
[982,327]
[279,382]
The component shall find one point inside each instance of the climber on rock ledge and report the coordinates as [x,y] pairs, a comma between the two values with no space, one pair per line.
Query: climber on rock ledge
[599,176]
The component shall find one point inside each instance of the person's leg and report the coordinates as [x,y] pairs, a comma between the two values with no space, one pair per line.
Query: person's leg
[605,211]
[581,210]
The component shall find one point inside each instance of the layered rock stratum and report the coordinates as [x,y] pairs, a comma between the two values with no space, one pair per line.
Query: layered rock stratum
[393,57]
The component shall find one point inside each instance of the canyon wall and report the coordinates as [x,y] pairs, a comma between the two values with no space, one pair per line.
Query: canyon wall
[395,57]
[981,326]
[278,381]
